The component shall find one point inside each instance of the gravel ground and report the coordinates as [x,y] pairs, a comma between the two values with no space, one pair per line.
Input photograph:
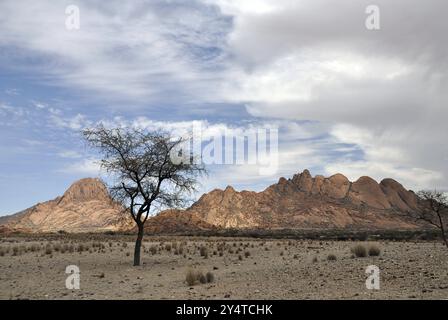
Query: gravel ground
[273,269]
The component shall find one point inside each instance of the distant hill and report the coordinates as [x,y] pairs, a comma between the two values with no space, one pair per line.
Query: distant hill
[297,203]
[85,207]
[311,202]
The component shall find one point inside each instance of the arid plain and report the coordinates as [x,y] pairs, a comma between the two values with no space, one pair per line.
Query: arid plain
[238,268]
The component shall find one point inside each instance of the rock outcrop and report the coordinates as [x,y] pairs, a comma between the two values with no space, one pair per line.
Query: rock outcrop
[307,202]
[301,202]
[85,207]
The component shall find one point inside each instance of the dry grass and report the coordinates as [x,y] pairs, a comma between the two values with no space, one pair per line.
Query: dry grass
[374,251]
[331,257]
[48,249]
[359,251]
[210,277]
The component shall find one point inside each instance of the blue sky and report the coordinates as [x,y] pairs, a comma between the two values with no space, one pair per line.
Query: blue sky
[345,99]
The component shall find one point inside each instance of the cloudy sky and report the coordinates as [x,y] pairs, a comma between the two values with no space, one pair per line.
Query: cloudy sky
[345,98]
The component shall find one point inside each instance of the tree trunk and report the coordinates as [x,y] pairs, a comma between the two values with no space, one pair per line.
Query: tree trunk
[138,245]
[442,229]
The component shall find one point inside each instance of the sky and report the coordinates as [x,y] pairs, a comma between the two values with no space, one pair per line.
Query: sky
[345,98]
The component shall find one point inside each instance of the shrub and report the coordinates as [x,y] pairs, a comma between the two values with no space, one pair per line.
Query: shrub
[331,257]
[374,251]
[203,251]
[168,247]
[202,278]
[81,248]
[240,257]
[153,250]
[34,248]
[210,277]
[192,276]
[247,254]
[48,249]
[359,251]
[15,250]
[315,260]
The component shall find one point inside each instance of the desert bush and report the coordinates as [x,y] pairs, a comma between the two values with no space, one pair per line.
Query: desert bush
[202,278]
[240,257]
[315,260]
[374,251]
[34,248]
[331,257]
[281,253]
[247,254]
[193,276]
[2,252]
[81,248]
[359,251]
[168,247]
[57,247]
[203,251]
[15,251]
[221,253]
[210,277]
[48,249]
[153,250]
[295,257]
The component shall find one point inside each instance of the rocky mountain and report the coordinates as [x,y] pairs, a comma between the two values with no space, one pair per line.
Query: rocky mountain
[311,202]
[173,221]
[85,207]
[300,202]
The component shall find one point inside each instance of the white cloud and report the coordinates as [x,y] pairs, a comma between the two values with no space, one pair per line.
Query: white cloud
[88,166]
[382,94]
[137,52]
[76,122]
[69,154]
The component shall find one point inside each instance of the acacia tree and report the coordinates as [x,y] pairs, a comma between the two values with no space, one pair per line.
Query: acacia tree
[146,175]
[434,211]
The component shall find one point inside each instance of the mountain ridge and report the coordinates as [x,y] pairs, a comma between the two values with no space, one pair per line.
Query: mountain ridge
[302,201]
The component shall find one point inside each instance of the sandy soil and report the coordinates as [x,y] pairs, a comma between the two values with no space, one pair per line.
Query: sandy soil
[274,269]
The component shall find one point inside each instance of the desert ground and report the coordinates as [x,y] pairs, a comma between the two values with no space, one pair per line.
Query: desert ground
[232,268]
